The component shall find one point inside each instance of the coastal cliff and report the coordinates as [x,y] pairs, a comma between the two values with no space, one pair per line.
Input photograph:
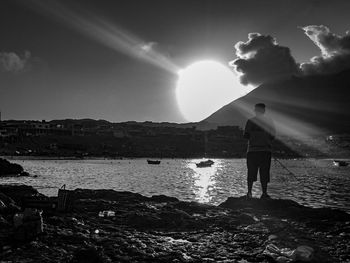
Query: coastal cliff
[135,228]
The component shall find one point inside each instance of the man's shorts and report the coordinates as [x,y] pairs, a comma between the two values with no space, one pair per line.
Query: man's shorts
[259,161]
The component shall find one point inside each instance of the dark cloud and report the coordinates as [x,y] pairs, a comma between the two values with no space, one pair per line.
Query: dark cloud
[261,59]
[335,51]
[11,62]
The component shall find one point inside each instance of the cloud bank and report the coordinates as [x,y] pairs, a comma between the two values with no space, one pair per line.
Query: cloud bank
[11,62]
[335,51]
[262,59]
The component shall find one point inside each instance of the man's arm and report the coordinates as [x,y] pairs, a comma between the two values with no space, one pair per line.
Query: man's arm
[246,133]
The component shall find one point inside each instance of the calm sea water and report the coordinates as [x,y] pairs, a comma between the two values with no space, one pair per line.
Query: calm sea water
[315,182]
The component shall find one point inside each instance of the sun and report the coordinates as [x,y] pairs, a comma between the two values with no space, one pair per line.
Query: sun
[204,87]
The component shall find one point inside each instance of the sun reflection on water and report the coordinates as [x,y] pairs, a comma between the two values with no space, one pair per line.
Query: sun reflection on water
[204,179]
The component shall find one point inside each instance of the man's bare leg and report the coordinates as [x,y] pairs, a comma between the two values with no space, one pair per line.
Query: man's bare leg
[250,187]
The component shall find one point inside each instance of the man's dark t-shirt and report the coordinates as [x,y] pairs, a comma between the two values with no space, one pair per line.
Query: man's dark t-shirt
[260,131]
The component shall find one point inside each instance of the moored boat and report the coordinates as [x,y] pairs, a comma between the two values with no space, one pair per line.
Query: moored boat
[153,161]
[207,163]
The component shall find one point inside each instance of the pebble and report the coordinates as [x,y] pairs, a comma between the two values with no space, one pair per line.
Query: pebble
[272,237]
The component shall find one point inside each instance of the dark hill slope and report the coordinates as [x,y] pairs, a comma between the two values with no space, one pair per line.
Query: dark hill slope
[306,105]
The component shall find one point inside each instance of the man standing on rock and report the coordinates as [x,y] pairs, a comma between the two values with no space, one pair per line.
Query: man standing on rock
[260,132]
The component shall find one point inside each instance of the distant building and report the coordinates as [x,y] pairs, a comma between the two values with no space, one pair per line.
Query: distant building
[119,133]
[3,133]
[41,125]
[8,132]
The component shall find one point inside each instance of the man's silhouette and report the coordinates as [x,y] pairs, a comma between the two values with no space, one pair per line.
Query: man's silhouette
[260,131]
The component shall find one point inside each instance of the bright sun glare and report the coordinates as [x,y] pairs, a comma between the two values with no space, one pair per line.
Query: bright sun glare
[204,87]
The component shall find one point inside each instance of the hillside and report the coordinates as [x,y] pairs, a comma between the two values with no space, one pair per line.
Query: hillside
[299,105]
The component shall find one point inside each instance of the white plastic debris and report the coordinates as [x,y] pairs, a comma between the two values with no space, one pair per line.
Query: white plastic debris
[284,255]
[106,213]
[287,255]
[304,253]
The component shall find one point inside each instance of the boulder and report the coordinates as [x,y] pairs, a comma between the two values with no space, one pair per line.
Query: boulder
[16,193]
[7,168]
[284,208]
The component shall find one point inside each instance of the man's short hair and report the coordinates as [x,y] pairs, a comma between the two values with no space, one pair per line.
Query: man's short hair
[260,105]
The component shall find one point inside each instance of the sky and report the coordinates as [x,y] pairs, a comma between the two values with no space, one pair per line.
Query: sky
[118,60]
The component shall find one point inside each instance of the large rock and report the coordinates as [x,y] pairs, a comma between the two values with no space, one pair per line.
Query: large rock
[7,205]
[284,208]
[11,169]
[17,193]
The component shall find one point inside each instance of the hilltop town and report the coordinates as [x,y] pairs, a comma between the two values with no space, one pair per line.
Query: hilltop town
[99,138]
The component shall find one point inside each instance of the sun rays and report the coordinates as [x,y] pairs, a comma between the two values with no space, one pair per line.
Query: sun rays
[287,127]
[106,33]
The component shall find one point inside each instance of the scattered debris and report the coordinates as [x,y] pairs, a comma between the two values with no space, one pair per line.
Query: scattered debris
[135,228]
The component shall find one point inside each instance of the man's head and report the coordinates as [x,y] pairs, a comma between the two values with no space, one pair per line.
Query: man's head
[259,108]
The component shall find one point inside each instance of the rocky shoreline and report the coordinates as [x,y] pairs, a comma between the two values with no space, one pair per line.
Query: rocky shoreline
[110,226]
[11,169]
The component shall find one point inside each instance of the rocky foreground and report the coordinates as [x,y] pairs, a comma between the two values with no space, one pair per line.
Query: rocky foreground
[136,228]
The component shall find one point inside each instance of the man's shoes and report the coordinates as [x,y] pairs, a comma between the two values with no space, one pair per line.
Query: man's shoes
[249,195]
[265,196]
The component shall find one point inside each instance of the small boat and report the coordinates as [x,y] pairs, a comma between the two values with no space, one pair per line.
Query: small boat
[153,161]
[207,163]
[340,163]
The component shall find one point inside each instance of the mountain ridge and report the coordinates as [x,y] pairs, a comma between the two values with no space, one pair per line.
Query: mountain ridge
[309,105]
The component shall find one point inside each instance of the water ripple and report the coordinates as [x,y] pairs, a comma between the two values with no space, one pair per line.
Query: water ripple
[315,182]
